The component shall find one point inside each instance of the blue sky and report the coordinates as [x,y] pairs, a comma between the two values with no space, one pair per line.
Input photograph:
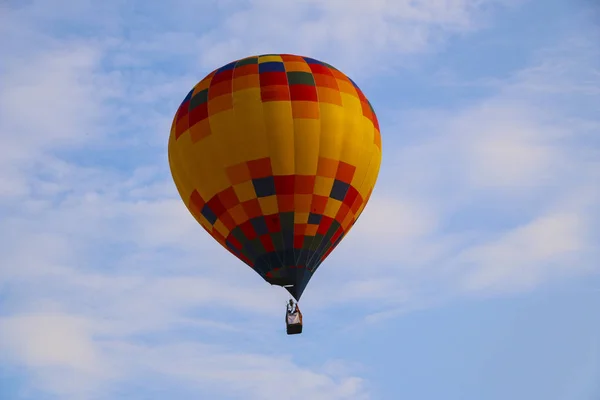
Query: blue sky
[474,272]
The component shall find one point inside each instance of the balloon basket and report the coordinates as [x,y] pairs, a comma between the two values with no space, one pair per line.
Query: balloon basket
[294,329]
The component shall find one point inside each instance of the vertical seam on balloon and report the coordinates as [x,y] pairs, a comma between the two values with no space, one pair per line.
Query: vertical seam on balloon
[295,158]
[307,246]
[235,119]
[213,154]
[366,174]
[266,258]
[262,104]
[177,172]
[330,245]
[373,154]
[188,173]
[281,259]
[315,261]
[259,100]
[296,255]
[173,161]
[182,167]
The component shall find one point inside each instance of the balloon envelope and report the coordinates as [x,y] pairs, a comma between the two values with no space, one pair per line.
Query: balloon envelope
[276,157]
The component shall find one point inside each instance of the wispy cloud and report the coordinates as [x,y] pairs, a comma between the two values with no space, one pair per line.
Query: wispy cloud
[495,197]
[355,35]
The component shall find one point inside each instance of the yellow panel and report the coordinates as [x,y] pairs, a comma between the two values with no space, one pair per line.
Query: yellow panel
[206,165]
[251,94]
[307,133]
[264,59]
[377,162]
[332,207]
[301,218]
[372,173]
[268,205]
[280,135]
[365,155]
[204,222]
[352,143]
[183,149]
[202,163]
[332,130]
[247,139]
[323,186]
[222,229]
[351,103]
[245,191]
[346,87]
[297,66]
[179,174]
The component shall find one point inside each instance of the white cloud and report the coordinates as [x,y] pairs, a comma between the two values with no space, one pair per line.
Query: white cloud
[50,340]
[57,348]
[67,359]
[498,145]
[546,247]
[354,35]
[506,148]
[250,375]
[501,192]
[52,98]
[402,217]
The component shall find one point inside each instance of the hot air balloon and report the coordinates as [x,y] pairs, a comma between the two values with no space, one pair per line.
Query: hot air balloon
[276,157]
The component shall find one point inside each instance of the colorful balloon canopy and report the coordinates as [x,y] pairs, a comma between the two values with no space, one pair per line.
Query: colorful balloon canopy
[276,157]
